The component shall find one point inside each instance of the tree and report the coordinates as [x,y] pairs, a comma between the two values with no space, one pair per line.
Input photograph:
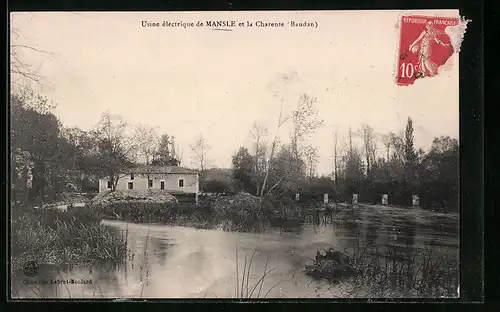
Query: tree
[81,154]
[176,153]
[281,121]
[410,155]
[280,165]
[114,148]
[439,175]
[165,152]
[286,79]
[353,172]
[366,133]
[305,121]
[282,176]
[35,144]
[335,157]
[19,69]
[162,156]
[259,131]
[387,142]
[146,142]
[312,159]
[243,165]
[200,150]
[410,161]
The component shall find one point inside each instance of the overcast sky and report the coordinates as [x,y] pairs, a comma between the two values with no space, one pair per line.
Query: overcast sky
[196,81]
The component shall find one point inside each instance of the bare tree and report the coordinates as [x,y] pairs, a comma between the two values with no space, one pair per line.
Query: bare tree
[350,147]
[176,153]
[258,131]
[20,69]
[113,146]
[335,157]
[387,142]
[312,158]
[397,143]
[200,150]
[179,155]
[146,141]
[281,120]
[366,133]
[285,79]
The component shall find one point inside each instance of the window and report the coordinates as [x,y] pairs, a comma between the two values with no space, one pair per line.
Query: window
[110,184]
[131,185]
[150,183]
[131,176]
[181,182]
[162,185]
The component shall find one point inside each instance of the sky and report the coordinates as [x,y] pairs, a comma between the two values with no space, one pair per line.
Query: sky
[197,81]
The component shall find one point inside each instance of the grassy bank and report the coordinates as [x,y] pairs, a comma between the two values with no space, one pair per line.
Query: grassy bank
[395,272]
[72,237]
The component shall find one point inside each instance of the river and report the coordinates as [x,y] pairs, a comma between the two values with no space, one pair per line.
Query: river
[183,262]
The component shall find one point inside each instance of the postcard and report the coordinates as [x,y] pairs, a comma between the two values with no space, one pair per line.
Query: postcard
[235,155]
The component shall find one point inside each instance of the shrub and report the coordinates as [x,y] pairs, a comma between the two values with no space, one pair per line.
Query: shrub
[136,206]
[218,186]
[286,209]
[244,211]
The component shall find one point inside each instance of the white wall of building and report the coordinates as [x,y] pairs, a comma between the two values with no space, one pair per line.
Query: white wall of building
[140,182]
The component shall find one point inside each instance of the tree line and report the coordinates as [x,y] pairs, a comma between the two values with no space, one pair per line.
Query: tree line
[370,164]
[47,157]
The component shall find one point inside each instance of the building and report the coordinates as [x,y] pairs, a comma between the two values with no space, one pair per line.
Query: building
[181,182]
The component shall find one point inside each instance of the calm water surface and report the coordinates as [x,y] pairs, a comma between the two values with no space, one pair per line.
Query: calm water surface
[183,262]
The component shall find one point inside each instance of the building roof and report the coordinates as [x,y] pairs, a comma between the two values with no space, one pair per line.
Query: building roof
[163,170]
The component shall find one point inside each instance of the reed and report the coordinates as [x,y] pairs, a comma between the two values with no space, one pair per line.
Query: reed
[393,272]
[244,289]
[72,237]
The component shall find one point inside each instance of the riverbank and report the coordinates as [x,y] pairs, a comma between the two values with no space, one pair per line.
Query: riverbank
[72,237]
[238,212]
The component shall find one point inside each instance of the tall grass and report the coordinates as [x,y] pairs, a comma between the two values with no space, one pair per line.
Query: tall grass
[243,288]
[71,237]
[389,272]
[408,273]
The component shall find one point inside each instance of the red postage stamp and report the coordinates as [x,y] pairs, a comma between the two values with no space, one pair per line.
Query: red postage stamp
[424,46]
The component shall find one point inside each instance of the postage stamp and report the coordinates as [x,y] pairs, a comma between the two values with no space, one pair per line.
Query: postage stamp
[426,44]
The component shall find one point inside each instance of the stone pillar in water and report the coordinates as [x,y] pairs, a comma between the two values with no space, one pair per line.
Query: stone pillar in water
[354,199]
[297,196]
[325,198]
[385,199]
[415,200]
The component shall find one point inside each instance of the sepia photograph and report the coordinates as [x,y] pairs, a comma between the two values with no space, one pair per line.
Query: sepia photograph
[235,155]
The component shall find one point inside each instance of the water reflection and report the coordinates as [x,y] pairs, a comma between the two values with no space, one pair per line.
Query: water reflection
[180,262]
[372,229]
[348,225]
